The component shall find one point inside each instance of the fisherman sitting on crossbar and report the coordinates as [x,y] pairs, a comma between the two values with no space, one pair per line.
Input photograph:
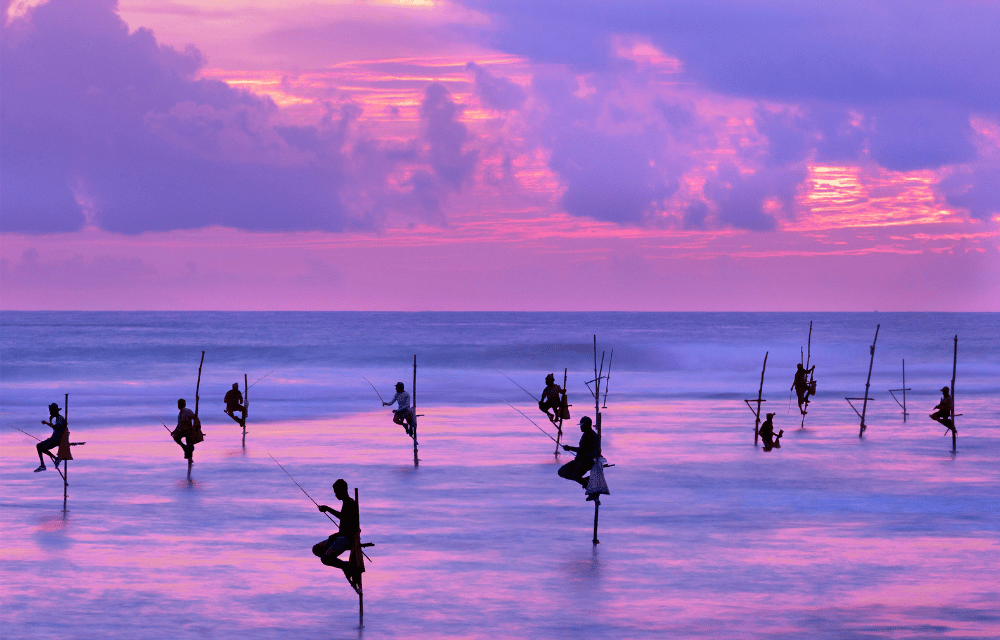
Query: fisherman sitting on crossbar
[404,414]
[344,539]
[58,424]
[942,411]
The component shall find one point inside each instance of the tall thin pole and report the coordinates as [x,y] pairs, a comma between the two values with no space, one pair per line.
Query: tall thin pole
[760,394]
[561,407]
[864,407]
[65,473]
[597,413]
[416,461]
[197,388]
[954,370]
[809,344]
[246,409]
[904,389]
[361,597]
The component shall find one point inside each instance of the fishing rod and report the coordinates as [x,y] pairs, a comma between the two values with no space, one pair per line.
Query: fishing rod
[300,487]
[518,386]
[373,389]
[25,432]
[261,378]
[533,422]
[166,427]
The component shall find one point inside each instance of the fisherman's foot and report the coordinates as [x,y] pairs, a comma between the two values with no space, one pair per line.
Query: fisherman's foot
[592,496]
[41,467]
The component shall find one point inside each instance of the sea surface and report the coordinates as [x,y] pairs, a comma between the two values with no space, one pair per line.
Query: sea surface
[704,534]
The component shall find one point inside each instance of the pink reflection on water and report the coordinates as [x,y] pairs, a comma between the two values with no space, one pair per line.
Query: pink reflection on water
[701,536]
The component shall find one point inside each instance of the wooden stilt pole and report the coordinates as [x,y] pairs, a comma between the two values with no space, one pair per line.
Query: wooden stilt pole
[868,382]
[197,398]
[65,473]
[559,424]
[413,409]
[197,388]
[802,424]
[892,392]
[246,409]
[597,413]
[760,393]
[954,370]
[360,590]
[864,407]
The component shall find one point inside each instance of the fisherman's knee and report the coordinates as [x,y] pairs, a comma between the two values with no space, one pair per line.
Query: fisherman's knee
[319,549]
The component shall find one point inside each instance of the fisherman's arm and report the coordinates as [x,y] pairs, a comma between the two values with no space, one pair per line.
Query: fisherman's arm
[326,509]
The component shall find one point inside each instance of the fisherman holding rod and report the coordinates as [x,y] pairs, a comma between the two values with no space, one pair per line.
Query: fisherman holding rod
[586,453]
[404,414]
[58,424]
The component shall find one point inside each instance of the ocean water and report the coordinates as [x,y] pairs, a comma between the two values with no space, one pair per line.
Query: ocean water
[704,534]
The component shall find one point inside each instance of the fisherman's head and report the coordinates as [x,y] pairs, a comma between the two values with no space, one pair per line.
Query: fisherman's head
[340,488]
[585,423]
[550,379]
[799,366]
[182,403]
[53,409]
[943,390]
[770,415]
[399,387]
[236,386]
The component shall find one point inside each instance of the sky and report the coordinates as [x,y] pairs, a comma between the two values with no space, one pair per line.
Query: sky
[500,155]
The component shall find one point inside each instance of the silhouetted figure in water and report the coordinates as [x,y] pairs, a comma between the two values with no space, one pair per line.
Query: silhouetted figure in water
[234,403]
[767,435]
[188,428]
[803,388]
[943,410]
[344,539]
[58,424]
[552,396]
[404,414]
[586,453]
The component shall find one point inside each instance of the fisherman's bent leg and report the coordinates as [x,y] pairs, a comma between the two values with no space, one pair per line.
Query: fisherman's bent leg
[334,547]
[574,471]
[46,446]
[187,448]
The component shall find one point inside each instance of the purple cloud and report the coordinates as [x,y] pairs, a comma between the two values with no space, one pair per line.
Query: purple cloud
[497,93]
[913,71]
[107,123]
[446,136]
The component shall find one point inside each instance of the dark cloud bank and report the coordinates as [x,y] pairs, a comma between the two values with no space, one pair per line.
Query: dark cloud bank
[916,70]
[97,119]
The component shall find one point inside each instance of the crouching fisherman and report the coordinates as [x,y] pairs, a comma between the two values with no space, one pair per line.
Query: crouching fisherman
[942,410]
[345,539]
[188,429]
[771,440]
[58,424]
[586,453]
[234,403]
[404,414]
[553,397]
